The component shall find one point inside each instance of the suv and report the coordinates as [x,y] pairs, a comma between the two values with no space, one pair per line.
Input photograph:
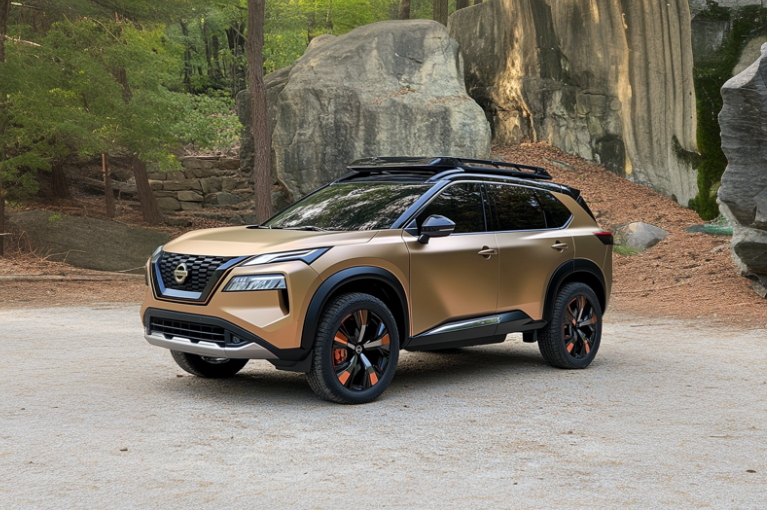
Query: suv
[419,254]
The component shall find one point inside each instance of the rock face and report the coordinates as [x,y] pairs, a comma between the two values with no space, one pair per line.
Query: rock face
[640,235]
[87,242]
[608,80]
[698,5]
[393,88]
[743,193]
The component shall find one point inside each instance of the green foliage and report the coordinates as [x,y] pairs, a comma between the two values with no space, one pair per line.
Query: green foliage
[709,77]
[208,121]
[53,218]
[625,250]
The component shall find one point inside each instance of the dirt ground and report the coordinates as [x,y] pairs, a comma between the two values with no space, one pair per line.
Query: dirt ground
[91,416]
[686,275]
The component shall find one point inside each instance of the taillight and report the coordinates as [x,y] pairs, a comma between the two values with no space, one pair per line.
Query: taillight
[605,237]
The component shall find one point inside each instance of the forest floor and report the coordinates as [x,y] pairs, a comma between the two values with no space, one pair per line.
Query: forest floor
[687,275]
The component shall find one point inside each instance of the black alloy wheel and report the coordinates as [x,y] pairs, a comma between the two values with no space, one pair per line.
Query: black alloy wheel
[356,350]
[572,338]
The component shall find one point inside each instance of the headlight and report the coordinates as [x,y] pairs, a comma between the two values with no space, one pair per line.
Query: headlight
[256,282]
[156,254]
[307,256]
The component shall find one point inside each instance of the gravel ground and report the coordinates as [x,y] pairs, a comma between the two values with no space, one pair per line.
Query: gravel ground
[672,414]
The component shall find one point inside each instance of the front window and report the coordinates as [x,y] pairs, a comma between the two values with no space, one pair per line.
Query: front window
[351,206]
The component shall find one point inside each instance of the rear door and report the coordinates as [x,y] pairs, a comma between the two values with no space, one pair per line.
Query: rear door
[449,278]
[529,227]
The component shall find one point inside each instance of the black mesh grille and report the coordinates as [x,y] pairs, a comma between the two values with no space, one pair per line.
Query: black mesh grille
[191,330]
[199,267]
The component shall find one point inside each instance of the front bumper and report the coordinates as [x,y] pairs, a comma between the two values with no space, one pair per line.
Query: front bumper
[210,349]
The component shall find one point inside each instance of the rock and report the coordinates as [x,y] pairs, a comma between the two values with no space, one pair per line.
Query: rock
[280,199]
[743,191]
[222,198]
[249,218]
[88,242]
[182,185]
[393,88]
[155,185]
[228,183]
[640,235]
[607,80]
[211,184]
[189,196]
[191,206]
[178,221]
[168,204]
[236,220]
[751,52]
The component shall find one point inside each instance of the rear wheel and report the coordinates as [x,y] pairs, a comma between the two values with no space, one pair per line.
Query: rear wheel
[356,350]
[571,339]
[212,368]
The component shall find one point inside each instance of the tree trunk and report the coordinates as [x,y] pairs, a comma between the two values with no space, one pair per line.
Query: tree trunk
[187,55]
[149,209]
[5,8]
[477,2]
[461,4]
[59,188]
[216,62]
[404,9]
[108,193]
[262,139]
[2,221]
[440,11]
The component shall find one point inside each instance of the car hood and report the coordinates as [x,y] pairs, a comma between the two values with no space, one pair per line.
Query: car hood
[242,241]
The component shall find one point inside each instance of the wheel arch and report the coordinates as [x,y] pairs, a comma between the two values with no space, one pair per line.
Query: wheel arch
[371,280]
[578,270]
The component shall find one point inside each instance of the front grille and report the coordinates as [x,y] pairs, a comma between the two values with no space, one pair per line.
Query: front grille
[192,330]
[199,267]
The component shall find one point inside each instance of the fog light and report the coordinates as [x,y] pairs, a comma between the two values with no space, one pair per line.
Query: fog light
[256,282]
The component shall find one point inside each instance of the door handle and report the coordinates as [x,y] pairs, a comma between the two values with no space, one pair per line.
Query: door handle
[487,252]
[559,246]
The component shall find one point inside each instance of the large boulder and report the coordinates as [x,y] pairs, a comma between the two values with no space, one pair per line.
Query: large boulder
[393,88]
[743,192]
[640,236]
[84,242]
[608,80]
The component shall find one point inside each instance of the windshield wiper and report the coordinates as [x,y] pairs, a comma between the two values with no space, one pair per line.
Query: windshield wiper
[308,227]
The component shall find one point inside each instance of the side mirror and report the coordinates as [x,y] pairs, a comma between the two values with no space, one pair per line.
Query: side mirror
[435,226]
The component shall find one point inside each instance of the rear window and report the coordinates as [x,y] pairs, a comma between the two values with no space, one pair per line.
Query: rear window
[557,214]
[351,206]
[515,208]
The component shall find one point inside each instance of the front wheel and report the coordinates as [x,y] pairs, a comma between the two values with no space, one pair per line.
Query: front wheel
[356,350]
[212,368]
[571,339]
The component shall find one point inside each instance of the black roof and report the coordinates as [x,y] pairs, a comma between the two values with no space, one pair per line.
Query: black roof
[440,166]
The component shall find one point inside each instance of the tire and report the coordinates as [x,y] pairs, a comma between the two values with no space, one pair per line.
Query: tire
[344,369]
[211,368]
[567,341]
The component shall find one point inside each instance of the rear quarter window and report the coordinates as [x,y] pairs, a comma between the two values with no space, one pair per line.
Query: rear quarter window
[556,213]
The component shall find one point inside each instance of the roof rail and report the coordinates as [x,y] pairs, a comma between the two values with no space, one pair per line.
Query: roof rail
[442,166]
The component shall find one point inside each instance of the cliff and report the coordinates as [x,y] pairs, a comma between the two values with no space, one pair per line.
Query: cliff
[608,80]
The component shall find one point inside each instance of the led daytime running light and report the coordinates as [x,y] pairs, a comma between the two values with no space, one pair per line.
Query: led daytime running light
[256,282]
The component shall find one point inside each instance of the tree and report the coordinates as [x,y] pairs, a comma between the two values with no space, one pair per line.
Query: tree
[404,9]
[262,171]
[5,9]
[461,4]
[440,11]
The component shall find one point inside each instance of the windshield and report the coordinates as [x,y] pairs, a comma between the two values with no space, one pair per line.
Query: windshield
[351,206]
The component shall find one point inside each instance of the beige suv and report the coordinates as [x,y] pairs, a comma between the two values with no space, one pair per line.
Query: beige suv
[401,253]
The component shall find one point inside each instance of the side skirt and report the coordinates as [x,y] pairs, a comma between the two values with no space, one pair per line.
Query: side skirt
[484,330]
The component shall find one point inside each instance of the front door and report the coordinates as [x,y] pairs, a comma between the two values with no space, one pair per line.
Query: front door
[449,278]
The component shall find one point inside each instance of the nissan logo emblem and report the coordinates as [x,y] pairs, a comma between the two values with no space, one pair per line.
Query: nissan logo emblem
[181,273]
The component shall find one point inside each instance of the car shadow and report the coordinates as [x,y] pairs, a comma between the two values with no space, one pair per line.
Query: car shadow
[260,383]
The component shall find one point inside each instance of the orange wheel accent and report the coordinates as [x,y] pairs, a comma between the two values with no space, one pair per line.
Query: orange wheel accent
[385,339]
[341,338]
[586,345]
[570,348]
[373,379]
[343,377]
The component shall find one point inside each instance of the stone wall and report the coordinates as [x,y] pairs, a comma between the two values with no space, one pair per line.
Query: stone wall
[608,80]
[204,182]
[698,5]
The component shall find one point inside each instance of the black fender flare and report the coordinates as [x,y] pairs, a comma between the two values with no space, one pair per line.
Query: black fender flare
[568,268]
[333,283]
